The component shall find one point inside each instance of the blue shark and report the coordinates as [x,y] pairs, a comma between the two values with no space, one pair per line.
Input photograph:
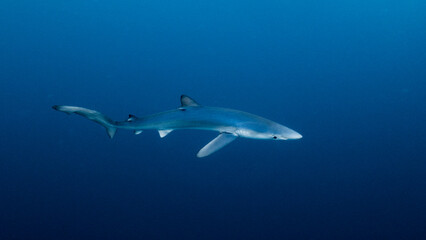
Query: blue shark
[230,123]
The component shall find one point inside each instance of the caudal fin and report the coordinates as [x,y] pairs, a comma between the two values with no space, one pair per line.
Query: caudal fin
[92,115]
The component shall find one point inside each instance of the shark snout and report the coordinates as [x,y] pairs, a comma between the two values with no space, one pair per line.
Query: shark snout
[296,135]
[293,135]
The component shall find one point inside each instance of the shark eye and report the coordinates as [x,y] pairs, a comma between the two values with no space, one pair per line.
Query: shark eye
[274,137]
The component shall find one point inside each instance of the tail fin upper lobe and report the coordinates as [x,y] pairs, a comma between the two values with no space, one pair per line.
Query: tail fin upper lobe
[93,115]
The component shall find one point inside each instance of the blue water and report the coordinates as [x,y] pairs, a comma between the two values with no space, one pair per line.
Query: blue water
[350,76]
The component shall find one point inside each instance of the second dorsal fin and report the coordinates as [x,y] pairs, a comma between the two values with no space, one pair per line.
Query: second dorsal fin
[131,118]
[186,101]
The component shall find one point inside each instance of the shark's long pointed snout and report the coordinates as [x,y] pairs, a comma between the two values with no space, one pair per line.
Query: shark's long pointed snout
[291,134]
[296,135]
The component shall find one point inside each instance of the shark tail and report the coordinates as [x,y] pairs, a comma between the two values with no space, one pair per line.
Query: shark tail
[106,122]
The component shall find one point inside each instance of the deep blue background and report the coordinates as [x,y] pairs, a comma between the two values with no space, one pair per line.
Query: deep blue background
[348,75]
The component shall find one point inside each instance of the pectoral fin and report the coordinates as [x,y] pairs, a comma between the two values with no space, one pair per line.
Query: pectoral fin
[219,142]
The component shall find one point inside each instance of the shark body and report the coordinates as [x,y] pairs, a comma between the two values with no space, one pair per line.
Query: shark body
[230,123]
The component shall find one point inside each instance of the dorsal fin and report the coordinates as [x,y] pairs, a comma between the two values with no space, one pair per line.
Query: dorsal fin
[188,102]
